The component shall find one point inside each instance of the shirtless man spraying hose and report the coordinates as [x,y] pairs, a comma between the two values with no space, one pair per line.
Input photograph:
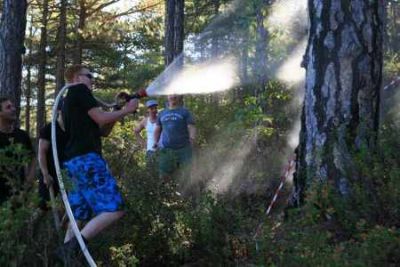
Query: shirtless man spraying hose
[94,189]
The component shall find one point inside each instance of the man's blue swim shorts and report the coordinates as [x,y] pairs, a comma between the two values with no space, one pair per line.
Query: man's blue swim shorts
[94,188]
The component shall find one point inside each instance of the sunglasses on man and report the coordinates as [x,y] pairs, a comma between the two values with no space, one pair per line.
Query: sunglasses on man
[89,75]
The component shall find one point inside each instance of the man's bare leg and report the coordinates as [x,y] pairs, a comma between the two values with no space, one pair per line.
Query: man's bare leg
[100,222]
[70,234]
[96,225]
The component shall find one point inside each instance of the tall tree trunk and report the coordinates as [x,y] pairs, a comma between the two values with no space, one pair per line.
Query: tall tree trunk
[61,43]
[169,31]
[244,57]
[12,36]
[215,51]
[41,84]
[396,27]
[215,38]
[343,64]
[391,22]
[28,97]
[28,84]
[77,57]
[174,29]
[260,66]
[179,27]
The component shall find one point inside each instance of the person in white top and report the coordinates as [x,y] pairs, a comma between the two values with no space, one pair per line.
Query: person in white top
[148,123]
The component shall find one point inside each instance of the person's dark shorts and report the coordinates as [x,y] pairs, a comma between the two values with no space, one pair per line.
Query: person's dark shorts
[94,188]
[44,194]
[171,160]
[151,158]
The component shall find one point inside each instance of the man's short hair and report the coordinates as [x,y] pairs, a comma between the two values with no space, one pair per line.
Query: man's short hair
[2,100]
[71,71]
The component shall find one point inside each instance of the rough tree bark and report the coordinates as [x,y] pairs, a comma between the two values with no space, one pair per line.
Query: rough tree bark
[77,56]
[174,29]
[61,43]
[169,31]
[343,64]
[179,27]
[41,84]
[12,36]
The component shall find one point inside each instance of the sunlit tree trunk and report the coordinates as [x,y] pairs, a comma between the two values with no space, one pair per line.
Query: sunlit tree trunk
[41,84]
[61,43]
[12,35]
[343,64]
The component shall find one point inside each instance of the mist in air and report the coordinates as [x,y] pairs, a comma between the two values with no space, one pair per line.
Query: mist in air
[211,61]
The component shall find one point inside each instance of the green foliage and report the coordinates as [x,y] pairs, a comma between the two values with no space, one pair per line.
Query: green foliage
[11,226]
[122,256]
[195,226]
[360,229]
[392,65]
[210,222]
[13,159]
[20,218]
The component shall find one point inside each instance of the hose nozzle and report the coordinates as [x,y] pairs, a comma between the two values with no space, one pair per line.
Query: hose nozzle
[125,96]
[122,98]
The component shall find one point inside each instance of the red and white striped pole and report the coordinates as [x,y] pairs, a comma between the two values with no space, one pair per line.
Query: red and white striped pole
[392,83]
[287,171]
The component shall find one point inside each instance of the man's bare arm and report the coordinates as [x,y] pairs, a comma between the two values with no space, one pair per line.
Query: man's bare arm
[192,133]
[44,146]
[157,133]
[137,131]
[102,118]
[30,171]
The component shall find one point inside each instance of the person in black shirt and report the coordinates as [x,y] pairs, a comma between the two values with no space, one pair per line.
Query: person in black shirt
[46,161]
[94,189]
[15,170]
